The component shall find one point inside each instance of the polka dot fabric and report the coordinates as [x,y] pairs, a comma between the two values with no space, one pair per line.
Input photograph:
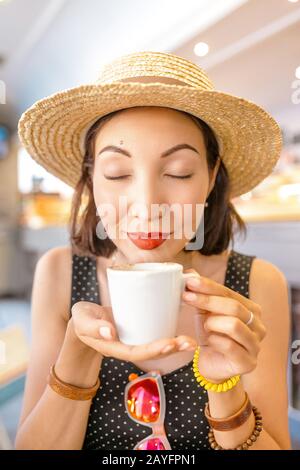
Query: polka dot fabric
[84,280]
[109,426]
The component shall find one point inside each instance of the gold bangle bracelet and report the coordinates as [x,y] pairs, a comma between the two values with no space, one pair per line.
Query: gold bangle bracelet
[214,387]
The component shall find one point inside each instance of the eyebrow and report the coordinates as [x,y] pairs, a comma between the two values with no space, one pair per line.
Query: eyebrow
[166,153]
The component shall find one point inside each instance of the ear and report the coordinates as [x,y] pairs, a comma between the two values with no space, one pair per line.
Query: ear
[213,176]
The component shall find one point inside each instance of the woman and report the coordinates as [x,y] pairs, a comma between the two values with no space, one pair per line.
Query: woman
[166,137]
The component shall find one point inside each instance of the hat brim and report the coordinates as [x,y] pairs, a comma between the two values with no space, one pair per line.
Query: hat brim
[53,129]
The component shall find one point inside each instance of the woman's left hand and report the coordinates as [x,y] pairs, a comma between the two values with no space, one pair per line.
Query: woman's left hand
[231,346]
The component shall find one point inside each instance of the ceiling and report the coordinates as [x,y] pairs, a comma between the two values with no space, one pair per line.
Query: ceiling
[51,45]
[254,52]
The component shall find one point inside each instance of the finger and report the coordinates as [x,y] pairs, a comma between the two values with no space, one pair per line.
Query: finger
[218,305]
[144,351]
[201,333]
[229,307]
[99,329]
[233,351]
[90,332]
[236,330]
[93,320]
[91,309]
[205,285]
[185,343]
[133,353]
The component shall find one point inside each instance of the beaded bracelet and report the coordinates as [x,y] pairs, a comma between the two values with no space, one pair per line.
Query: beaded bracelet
[248,443]
[214,387]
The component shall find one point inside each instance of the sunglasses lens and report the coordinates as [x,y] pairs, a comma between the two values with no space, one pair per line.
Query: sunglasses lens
[151,444]
[143,401]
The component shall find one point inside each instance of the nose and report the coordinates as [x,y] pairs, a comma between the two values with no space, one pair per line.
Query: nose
[145,199]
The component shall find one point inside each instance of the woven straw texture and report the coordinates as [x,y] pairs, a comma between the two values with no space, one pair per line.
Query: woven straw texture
[53,129]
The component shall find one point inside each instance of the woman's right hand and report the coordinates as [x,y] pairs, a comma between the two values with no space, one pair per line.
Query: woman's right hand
[94,325]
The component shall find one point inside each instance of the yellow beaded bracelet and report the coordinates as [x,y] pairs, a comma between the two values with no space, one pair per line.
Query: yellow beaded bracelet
[214,387]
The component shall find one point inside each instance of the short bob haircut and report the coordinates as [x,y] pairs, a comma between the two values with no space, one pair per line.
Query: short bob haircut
[221,220]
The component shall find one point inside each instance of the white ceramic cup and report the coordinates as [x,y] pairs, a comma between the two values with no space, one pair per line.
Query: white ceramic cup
[145,300]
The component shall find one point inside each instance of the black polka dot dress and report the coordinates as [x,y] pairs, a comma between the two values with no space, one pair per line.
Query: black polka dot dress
[109,426]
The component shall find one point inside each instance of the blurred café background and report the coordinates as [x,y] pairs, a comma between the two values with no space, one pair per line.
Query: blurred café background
[249,48]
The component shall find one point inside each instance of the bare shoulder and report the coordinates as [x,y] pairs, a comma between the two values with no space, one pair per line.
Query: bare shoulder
[50,307]
[266,278]
[58,257]
[268,288]
[53,277]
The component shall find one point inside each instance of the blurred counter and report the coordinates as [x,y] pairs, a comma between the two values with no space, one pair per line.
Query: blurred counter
[276,199]
[40,210]
[264,210]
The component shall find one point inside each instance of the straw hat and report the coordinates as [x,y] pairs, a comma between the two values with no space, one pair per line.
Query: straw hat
[53,129]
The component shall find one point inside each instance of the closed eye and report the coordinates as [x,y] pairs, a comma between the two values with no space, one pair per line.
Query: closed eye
[126,176]
[180,177]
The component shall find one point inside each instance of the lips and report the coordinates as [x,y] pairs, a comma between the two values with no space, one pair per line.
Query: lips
[146,236]
[148,241]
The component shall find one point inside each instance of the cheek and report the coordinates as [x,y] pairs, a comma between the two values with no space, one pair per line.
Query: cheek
[193,202]
[191,193]
[106,207]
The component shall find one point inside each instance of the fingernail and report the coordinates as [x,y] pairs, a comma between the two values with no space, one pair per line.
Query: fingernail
[105,332]
[184,345]
[167,348]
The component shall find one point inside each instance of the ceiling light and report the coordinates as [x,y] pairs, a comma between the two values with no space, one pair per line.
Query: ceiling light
[293,1]
[297,73]
[201,49]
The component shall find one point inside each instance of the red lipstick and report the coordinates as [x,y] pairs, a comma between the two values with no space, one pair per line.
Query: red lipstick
[148,241]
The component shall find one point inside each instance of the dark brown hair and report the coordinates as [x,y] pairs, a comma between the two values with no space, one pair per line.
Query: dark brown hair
[220,217]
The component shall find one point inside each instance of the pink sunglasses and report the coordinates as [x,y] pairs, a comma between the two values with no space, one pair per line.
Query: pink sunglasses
[145,403]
